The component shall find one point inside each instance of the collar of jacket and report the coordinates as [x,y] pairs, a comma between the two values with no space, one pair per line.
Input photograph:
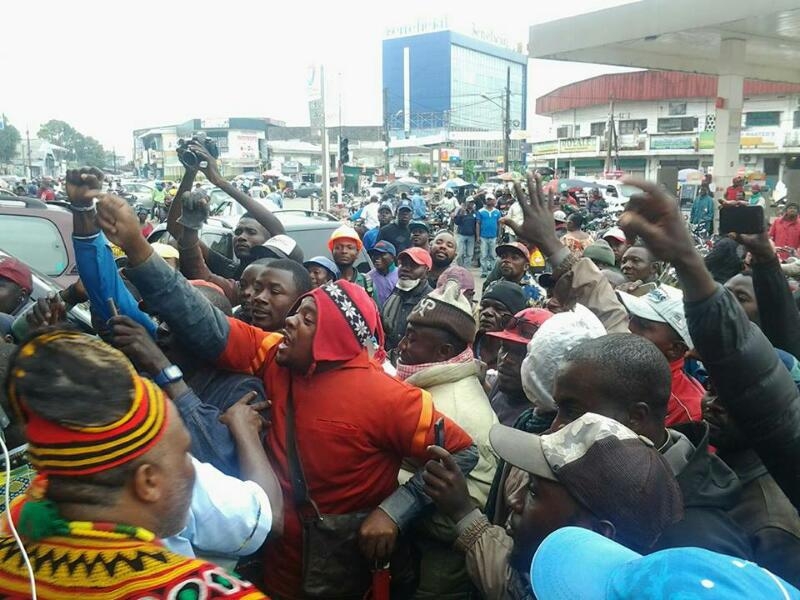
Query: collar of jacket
[704,479]
[443,373]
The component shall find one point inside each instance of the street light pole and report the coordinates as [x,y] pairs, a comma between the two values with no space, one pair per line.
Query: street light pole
[507,122]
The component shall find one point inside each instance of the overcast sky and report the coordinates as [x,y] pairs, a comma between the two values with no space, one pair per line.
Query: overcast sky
[110,67]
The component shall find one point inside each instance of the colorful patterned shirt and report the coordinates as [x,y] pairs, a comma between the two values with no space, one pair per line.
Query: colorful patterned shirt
[89,568]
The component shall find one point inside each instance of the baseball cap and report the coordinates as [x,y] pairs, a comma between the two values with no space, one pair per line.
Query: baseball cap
[560,216]
[610,571]
[164,250]
[615,233]
[325,263]
[490,196]
[419,225]
[386,206]
[518,246]
[616,474]
[17,272]
[383,247]
[404,204]
[278,246]
[419,255]
[523,325]
[661,307]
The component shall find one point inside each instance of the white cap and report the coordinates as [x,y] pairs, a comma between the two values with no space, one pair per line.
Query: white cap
[615,233]
[560,216]
[661,307]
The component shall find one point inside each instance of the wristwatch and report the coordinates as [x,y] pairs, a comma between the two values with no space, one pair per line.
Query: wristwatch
[168,375]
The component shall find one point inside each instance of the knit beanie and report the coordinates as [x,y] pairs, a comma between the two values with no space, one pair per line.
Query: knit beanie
[508,294]
[600,251]
[446,308]
[345,232]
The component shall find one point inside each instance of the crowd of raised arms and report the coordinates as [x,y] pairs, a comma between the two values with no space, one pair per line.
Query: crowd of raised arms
[579,426]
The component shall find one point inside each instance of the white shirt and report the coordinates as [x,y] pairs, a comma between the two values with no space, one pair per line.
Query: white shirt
[228,517]
[515,214]
[370,214]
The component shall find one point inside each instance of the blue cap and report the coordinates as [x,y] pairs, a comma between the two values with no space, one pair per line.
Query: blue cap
[384,247]
[573,562]
[419,225]
[404,204]
[325,263]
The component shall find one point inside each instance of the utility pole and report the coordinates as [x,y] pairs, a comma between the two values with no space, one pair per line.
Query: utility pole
[507,122]
[326,159]
[114,158]
[610,135]
[30,164]
[386,129]
[339,147]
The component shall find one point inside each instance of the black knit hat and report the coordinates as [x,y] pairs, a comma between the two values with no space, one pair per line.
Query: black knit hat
[507,293]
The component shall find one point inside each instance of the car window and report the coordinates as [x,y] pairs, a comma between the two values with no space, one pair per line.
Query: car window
[222,243]
[34,241]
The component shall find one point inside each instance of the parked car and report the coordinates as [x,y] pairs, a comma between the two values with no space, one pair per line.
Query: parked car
[40,235]
[305,189]
[44,287]
[310,229]
[616,193]
[142,192]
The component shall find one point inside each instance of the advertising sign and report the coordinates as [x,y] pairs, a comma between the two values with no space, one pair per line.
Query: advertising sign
[672,142]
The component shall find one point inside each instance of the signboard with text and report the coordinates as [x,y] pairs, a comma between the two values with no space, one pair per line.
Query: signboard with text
[577,145]
[672,142]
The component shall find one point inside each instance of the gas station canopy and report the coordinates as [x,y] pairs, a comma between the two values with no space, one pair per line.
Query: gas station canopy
[679,35]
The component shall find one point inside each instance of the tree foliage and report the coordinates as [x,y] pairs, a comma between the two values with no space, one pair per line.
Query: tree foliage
[9,140]
[81,149]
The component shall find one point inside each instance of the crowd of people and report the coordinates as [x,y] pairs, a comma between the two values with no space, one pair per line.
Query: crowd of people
[292,427]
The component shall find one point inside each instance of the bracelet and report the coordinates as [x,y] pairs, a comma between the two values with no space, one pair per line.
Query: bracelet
[75,208]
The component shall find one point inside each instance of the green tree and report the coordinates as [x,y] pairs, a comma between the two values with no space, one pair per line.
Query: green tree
[9,140]
[81,149]
[469,171]
[422,168]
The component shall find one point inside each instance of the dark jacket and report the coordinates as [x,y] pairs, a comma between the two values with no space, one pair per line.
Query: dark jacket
[767,517]
[396,310]
[710,489]
[780,319]
[751,383]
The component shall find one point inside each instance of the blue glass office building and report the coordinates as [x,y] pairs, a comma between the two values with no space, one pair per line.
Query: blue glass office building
[445,81]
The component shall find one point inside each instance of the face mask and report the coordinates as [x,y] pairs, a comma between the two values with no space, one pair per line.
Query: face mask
[407,284]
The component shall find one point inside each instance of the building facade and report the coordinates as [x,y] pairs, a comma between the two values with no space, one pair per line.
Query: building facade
[446,89]
[241,142]
[664,119]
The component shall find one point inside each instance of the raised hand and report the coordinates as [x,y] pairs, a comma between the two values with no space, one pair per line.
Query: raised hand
[194,210]
[538,226]
[121,226]
[134,342]
[84,185]
[654,216]
[46,311]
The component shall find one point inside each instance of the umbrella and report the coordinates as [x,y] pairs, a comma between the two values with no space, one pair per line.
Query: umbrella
[562,185]
[272,173]
[512,176]
[398,187]
[456,182]
[411,180]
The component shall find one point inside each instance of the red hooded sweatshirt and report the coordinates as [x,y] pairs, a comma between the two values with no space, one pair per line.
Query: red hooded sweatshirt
[685,397]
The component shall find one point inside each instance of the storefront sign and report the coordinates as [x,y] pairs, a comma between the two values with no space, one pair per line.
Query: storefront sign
[759,139]
[577,145]
[540,148]
[672,142]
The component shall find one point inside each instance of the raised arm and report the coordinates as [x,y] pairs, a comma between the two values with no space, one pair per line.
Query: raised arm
[258,210]
[780,319]
[94,258]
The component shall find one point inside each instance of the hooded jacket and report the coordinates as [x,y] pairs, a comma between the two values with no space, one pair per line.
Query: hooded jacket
[710,489]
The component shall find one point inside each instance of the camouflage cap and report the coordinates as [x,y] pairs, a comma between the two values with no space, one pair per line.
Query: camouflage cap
[610,470]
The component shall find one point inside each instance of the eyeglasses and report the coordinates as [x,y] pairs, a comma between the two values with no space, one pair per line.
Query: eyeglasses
[525,328]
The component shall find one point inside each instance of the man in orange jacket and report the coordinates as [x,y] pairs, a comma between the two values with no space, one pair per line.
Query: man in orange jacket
[354,424]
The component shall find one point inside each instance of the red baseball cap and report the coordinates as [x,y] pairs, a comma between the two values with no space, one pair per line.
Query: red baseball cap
[419,256]
[523,325]
[16,272]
